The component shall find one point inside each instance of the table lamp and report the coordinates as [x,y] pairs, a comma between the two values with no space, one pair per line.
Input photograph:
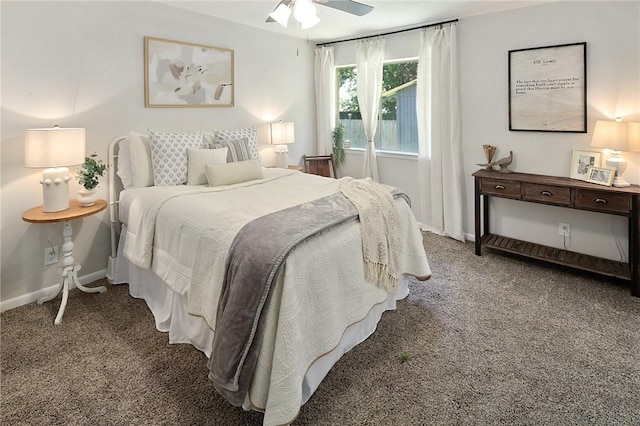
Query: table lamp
[281,134]
[614,135]
[53,149]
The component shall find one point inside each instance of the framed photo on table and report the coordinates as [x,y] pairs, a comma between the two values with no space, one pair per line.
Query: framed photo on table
[548,88]
[581,161]
[600,175]
[178,74]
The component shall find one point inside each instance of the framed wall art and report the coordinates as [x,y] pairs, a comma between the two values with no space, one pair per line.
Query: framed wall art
[600,175]
[179,74]
[548,88]
[581,161]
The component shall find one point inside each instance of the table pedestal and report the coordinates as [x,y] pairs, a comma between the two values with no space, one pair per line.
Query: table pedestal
[69,275]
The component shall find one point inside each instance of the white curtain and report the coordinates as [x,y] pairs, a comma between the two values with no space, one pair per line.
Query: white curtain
[369,58]
[325,77]
[440,172]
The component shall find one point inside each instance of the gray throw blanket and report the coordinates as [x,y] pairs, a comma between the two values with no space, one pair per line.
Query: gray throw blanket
[253,263]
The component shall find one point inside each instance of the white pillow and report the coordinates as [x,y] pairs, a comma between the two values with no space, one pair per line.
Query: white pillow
[140,153]
[230,173]
[124,169]
[169,155]
[250,133]
[198,158]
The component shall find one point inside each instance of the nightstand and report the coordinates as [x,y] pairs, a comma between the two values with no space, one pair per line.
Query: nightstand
[298,168]
[69,268]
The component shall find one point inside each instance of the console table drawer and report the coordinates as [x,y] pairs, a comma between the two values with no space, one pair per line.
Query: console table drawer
[501,188]
[547,194]
[603,201]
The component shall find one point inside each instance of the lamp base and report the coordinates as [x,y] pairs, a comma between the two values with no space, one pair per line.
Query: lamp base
[55,189]
[619,164]
[620,182]
[281,160]
[281,156]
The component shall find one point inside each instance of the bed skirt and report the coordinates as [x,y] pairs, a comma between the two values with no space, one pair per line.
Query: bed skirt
[171,316]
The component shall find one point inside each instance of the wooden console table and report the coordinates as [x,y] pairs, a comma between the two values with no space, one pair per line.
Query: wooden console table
[561,192]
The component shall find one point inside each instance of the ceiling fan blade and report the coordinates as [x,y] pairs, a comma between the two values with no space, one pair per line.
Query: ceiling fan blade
[348,6]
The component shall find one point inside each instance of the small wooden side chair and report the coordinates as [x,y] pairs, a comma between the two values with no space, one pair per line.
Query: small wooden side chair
[321,165]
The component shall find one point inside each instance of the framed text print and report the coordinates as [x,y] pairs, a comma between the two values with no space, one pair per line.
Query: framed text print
[548,88]
[181,74]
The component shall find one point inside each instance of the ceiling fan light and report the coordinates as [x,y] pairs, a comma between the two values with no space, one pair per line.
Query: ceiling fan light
[304,10]
[281,14]
[309,22]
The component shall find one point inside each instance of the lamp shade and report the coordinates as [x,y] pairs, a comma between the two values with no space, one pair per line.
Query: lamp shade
[611,135]
[54,147]
[633,136]
[282,133]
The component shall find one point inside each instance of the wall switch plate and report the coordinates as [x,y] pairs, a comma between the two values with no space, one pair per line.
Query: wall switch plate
[564,230]
[50,255]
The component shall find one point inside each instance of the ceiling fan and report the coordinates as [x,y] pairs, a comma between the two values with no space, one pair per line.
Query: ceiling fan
[305,12]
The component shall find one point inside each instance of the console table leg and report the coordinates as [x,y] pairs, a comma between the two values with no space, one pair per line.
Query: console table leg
[634,245]
[478,235]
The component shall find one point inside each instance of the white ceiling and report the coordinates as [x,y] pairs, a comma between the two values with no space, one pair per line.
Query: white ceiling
[335,25]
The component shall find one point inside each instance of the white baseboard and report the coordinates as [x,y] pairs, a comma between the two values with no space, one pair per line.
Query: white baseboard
[25,299]
[467,236]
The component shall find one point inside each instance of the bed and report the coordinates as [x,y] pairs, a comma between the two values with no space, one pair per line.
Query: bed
[170,244]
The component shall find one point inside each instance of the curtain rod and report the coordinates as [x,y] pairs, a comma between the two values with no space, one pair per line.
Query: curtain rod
[389,33]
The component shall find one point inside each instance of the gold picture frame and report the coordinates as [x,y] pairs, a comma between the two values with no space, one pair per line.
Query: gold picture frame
[600,175]
[581,161]
[187,75]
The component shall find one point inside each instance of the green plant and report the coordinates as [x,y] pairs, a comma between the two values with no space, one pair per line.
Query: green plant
[338,144]
[90,171]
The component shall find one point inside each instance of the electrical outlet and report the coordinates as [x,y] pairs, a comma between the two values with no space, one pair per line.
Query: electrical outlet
[564,230]
[50,255]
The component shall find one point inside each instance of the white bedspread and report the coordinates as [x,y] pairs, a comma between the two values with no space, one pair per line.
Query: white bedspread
[308,312]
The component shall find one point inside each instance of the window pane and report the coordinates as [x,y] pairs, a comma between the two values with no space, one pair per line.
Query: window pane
[397,126]
[348,109]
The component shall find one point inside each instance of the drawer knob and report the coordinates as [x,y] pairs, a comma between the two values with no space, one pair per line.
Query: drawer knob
[547,193]
[600,200]
[499,186]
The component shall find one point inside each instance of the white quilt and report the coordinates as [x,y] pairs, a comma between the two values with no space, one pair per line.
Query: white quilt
[309,312]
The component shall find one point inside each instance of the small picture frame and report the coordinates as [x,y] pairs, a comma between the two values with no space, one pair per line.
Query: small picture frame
[600,175]
[581,161]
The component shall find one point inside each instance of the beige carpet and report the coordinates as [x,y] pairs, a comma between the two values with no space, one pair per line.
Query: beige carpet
[491,340]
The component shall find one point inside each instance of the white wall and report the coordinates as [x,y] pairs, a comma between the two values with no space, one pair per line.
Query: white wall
[612,34]
[80,64]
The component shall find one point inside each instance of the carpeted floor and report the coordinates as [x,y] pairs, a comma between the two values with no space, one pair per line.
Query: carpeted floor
[491,340]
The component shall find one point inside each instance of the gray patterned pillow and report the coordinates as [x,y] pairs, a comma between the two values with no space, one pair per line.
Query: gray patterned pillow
[169,155]
[250,133]
[237,150]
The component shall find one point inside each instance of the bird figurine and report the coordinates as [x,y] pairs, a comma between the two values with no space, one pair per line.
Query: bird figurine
[502,163]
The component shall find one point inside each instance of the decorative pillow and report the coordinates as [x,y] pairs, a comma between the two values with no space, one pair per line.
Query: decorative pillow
[237,150]
[230,173]
[124,170]
[140,153]
[250,133]
[169,155]
[198,158]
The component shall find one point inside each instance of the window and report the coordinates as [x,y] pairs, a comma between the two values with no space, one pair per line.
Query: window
[397,122]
